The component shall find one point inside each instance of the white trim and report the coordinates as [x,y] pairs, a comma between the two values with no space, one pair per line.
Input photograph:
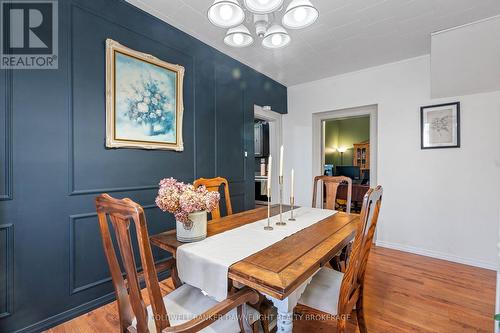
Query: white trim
[275,140]
[438,255]
[317,149]
[497,299]
[465,25]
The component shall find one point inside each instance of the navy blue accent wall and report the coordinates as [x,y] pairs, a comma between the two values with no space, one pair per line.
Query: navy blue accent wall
[53,160]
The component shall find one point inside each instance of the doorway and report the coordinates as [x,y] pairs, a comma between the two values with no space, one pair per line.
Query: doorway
[267,140]
[345,144]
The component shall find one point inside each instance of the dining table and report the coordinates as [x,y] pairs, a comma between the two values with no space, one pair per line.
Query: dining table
[281,271]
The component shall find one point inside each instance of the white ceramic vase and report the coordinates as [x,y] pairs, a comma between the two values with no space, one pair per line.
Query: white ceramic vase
[194,231]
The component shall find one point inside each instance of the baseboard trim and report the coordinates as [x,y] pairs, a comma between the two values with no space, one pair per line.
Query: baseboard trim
[437,255]
[62,317]
[68,315]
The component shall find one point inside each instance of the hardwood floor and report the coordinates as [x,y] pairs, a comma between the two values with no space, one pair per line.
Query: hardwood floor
[404,293]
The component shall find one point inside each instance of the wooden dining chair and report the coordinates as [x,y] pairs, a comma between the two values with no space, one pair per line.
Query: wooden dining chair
[189,310]
[336,293]
[332,183]
[339,262]
[214,184]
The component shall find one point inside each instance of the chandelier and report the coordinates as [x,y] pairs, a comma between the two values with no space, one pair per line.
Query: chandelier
[263,14]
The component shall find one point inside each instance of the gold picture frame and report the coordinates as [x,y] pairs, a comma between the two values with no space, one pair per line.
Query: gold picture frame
[144,100]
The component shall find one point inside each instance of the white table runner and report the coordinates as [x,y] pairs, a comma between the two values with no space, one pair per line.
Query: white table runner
[205,264]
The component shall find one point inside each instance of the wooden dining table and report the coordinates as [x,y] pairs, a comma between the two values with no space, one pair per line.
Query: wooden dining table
[282,271]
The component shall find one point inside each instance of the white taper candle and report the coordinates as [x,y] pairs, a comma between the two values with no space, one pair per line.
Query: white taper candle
[269,172]
[292,183]
[281,161]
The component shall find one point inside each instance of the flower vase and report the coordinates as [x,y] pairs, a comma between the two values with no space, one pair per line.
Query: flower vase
[195,230]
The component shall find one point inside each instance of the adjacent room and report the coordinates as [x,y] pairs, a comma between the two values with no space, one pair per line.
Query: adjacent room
[346,152]
[226,166]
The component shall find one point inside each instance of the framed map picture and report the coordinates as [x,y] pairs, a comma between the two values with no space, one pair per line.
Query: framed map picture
[143,100]
[440,126]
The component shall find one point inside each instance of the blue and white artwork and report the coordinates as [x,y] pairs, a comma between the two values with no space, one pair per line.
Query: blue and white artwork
[145,101]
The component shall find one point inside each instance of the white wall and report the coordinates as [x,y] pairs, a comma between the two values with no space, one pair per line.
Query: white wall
[466,59]
[441,202]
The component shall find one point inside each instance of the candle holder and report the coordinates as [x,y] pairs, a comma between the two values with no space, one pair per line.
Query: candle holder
[268,226]
[281,222]
[292,201]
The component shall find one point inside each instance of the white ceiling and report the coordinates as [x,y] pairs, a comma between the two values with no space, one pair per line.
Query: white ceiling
[349,34]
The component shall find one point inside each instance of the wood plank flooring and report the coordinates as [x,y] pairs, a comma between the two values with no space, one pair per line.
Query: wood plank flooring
[404,293]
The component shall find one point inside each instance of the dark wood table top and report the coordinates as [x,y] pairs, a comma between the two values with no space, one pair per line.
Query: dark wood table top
[280,268]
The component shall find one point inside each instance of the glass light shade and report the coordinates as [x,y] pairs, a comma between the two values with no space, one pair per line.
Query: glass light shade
[300,14]
[238,37]
[263,6]
[276,37]
[226,13]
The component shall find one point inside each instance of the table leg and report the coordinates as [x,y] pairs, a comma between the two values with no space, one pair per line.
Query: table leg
[175,277]
[285,322]
[286,306]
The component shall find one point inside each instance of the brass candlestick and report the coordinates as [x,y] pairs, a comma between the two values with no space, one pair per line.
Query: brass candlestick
[292,201]
[268,226]
[281,222]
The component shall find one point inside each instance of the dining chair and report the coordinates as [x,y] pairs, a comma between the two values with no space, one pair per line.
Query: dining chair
[339,262]
[336,293]
[214,184]
[189,310]
[331,184]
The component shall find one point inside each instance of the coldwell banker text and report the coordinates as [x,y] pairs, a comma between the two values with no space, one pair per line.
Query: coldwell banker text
[29,34]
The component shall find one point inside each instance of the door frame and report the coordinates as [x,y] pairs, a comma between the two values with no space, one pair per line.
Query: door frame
[318,136]
[275,120]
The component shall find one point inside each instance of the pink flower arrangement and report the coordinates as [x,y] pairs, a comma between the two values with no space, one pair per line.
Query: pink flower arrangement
[183,199]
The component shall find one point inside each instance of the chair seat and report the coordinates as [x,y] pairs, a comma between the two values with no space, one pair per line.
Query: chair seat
[186,303]
[323,291]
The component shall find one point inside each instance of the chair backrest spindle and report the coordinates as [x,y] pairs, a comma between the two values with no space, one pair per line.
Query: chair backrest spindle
[353,280]
[332,184]
[130,302]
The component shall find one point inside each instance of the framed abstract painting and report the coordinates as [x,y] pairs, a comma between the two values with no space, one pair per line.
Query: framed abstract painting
[440,126]
[144,103]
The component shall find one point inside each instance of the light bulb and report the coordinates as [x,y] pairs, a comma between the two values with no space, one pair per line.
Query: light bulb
[276,40]
[226,12]
[299,14]
[238,39]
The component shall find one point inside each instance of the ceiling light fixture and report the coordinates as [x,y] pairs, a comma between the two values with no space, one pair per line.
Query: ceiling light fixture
[239,36]
[276,37]
[265,16]
[263,6]
[226,13]
[300,14]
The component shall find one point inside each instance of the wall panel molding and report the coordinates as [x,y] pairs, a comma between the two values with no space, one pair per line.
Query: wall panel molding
[73,191]
[6,193]
[219,114]
[73,99]
[7,272]
[73,288]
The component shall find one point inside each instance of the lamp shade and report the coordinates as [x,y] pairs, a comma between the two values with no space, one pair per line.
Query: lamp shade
[263,6]
[300,14]
[226,13]
[239,36]
[276,37]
